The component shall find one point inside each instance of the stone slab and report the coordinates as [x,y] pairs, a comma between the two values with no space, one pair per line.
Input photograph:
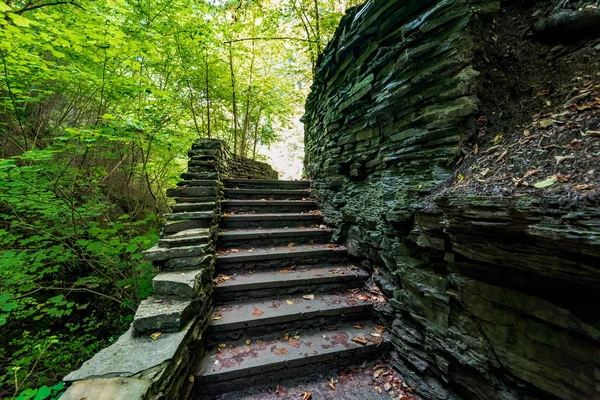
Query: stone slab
[193,207]
[108,389]
[162,315]
[178,284]
[259,312]
[317,250]
[157,253]
[272,233]
[130,356]
[301,276]
[266,183]
[274,353]
[188,262]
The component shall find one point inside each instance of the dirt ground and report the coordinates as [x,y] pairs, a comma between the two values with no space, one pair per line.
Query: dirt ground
[539,130]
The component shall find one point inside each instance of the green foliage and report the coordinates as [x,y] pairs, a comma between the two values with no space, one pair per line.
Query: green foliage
[99,103]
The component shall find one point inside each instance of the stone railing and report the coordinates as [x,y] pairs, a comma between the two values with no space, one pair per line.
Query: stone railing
[154,357]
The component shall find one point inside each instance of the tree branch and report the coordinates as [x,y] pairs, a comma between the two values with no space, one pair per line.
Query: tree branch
[269,38]
[31,6]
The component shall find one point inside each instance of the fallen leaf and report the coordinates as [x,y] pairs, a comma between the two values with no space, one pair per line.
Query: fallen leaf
[545,123]
[248,342]
[378,372]
[378,388]
[526,132]
[497,139]
[561,178]
[280,351]
[291,244]
[235,251]
[331,385]
[257,312]
[545,183]
[223,345]
[309,296]
[560,159]
[306,395]
[387,386]
[359,340]
[155,335]
[191,379]
[583,187]
[158,301]
[291,303]
[217,317]
[355,290]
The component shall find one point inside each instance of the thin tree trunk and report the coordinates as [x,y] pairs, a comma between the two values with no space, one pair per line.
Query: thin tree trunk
[318,31]
[247,117]
[207,95]
[235,122]
[256,133]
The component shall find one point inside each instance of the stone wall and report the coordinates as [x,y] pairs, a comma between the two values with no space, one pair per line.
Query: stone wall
[245,168]
[491,297]
[154,357]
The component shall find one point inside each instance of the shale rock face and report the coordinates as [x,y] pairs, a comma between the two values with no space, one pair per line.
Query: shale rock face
[491,296]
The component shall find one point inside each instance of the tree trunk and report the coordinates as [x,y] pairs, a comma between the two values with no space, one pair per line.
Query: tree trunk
[247,117]
[256,133]
[207,95]
[235,122]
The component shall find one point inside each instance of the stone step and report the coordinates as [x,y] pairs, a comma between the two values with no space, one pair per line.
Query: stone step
[193,207]
[256,238]
[265,184]
[280,257]
[177,222]
[279,356]
[268,206]
[257,314]
[266,194]
[198,182]
[192,191]
[280,220]
[188,237]
[293,281]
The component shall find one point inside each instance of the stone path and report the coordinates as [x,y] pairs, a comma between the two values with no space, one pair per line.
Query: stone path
[287,301]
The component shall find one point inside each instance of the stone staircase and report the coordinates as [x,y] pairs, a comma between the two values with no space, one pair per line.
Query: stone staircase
[286,300]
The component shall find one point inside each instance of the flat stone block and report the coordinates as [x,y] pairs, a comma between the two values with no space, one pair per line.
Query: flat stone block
[131,356]
[184,225]
[188,262]
[186,238]
[166,316]
[161,254]
[179,284]
[185,216]
[108,389]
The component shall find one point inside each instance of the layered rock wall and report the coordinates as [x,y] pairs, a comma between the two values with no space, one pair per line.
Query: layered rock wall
[491,296]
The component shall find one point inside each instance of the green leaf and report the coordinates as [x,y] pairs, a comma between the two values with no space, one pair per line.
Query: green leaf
[43,393]
[545,183]
[4,7]
[19,20]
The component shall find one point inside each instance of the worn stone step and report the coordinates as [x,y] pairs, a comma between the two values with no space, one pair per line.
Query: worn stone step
[261,259]
[177,222]
[268,206]
[192,191]
[258,194]
[256,238]
[297,280]
[198,182]
[199,199]
[249,314]
[193,207]
[265,184]
[277,220]
[188,237]
[278,356]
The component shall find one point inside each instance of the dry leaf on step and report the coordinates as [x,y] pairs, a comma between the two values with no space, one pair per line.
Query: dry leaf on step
[257,312]
[331,385]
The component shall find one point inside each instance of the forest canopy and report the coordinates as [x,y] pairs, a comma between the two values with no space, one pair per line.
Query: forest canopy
[99,103]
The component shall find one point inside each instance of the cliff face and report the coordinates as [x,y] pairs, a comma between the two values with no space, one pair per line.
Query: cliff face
[492,282]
